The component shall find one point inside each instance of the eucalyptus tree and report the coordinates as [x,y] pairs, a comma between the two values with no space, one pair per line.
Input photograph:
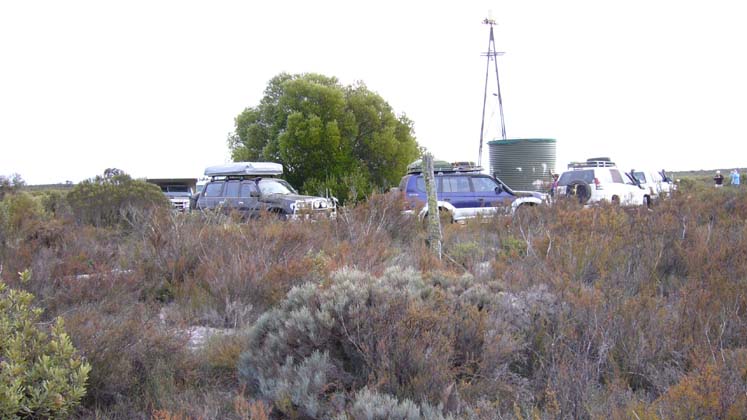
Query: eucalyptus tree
[345,139]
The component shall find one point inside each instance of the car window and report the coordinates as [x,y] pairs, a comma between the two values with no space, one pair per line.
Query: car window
[640,176]
[420,184]
[483,184]
[455,184]
[275,186]
[403,183]
[247,188]
[213,189]
[586,175]
[232,189]
[616,176]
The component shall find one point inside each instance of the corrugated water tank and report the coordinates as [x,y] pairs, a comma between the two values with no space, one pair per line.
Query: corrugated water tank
[523,164]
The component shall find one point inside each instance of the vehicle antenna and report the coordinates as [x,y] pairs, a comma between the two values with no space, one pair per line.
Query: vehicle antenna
[491,56]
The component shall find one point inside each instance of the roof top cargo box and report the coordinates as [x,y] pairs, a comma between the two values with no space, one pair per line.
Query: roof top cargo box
[245,169]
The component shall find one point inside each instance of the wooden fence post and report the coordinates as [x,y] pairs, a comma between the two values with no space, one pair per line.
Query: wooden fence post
[434,221]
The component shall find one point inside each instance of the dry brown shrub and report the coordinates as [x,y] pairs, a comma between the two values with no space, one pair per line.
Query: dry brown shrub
[133,357]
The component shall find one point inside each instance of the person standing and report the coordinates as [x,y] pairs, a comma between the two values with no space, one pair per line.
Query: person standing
[734,178]
[718,179]
[554,186]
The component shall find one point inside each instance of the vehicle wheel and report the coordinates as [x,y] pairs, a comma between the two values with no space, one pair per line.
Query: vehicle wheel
[270,214]
[443,214]
[580,189]
[615,200]
[647,201]
[526,212]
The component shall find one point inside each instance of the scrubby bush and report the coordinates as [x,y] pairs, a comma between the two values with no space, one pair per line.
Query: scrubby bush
[135,360]
[20,213]
[55,203]
[370,405]
[41,374]
[110,200]
[400,335]
[562,312]
[716,390]
[10,184]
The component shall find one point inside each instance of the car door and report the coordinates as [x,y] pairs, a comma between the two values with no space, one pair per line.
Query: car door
[456,190]
[231,196]
[211,196]
[248,203]
[489,194]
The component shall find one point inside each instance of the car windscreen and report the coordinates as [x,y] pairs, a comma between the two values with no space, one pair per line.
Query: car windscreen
[275,186]
[177,189]
[571,176]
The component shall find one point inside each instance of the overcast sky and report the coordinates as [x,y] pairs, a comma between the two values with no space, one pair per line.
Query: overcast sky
[152,87]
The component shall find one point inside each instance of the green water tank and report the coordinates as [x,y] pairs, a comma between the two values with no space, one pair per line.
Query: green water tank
[523,164]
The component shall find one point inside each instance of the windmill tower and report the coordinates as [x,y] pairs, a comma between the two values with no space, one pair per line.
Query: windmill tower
[491,55]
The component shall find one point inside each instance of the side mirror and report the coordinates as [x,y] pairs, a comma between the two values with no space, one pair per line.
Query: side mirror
[499,189]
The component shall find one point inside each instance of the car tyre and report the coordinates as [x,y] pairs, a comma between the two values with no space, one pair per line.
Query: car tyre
[580,189]
[443,214]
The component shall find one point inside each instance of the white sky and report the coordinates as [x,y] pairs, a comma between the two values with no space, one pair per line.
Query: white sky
[152,87]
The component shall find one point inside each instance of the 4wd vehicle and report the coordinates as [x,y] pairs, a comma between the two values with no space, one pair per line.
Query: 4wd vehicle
[464,192]
[178,190]
[657,183]
[252,189]
[598,180]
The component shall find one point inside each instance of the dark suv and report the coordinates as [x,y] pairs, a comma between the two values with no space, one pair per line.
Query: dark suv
[464,192]
[251,189]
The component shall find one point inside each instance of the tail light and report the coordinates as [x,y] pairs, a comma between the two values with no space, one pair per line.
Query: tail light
[597,185]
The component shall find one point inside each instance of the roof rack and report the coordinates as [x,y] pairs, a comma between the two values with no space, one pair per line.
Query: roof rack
[592,163]
[444,166]
[245,169]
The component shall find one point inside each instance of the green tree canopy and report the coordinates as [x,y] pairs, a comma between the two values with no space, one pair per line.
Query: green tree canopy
[327,136]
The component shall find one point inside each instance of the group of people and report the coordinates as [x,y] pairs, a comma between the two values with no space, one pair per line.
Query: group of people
[733,178]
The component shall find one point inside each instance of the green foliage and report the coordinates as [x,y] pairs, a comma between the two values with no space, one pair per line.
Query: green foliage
[18,211]
[112,199]
[327,136]
[41,374]
[55,203]
[10,184]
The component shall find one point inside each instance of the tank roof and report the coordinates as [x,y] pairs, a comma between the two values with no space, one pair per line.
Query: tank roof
[516,141]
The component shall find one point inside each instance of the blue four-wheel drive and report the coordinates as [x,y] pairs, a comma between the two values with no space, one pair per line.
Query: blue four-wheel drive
[464,192]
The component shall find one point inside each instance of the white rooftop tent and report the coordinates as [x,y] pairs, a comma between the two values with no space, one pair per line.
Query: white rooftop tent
[245,168]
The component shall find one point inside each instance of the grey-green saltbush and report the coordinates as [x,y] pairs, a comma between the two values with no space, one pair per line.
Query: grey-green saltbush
[319,340]
[406,339]
[371,405]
